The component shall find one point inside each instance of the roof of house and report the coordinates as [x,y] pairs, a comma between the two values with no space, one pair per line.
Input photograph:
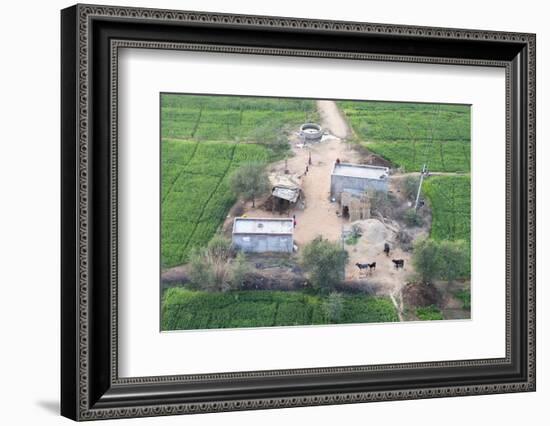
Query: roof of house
[364,171]
[246,225]
[286,187]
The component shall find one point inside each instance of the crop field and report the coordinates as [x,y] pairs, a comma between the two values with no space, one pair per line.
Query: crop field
[409,134]
[450,201]
[186,310]
[204,139]
[228,118]
[195,192]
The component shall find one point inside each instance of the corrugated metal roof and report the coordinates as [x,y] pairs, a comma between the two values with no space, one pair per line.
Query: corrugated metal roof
[286,193]
[245,225]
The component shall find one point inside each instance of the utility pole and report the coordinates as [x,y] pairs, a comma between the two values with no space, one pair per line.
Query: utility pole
[422,174]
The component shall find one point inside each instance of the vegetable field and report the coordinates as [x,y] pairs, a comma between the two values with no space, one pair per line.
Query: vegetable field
[227,118]
[450,201]
[409,134]
[195,192]
[187,310]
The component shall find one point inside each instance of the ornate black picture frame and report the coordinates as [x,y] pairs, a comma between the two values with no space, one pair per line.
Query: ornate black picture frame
[91,36]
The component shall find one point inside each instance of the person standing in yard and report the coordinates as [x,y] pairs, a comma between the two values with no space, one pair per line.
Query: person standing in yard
[294,220]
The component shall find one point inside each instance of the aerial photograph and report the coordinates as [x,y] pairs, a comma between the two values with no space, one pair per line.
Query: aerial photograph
[279,212]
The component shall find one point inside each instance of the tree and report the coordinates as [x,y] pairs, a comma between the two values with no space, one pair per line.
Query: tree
[272,135]
[455,260]
[333,307]
[446,260]
[426,259]
[250,181]
[324,261]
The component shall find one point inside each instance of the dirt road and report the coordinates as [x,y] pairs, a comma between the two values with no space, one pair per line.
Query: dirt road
[319,215]
[332,119]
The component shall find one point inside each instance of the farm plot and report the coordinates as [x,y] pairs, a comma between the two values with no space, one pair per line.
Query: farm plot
[409,134]
[195,192]
[204,139]
[228,118]
[450,201]
[187,310]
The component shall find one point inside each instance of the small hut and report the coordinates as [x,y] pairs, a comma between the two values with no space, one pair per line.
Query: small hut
[286,190]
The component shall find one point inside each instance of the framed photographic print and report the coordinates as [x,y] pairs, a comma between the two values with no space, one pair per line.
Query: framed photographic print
[263,212]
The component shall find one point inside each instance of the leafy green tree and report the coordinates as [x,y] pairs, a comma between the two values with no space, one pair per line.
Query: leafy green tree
[325,262]
[446,260]
[272,135]
[333,307]
[426,259]
[455,260]
[250,181]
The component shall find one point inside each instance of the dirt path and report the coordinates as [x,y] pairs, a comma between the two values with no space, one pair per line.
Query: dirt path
[332,119]
[319,215]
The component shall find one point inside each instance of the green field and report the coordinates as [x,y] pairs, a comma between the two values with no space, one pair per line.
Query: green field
[449,197]
[227,118]
[204,139]
[189,310]
[409,134]
[195,192]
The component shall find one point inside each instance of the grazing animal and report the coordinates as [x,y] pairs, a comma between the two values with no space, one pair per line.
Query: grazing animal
[362,266]
[399,263]
[387,249]
[372,266]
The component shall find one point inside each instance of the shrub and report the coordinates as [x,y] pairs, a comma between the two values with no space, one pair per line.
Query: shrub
[412,218]
[429,313]
[455,260]
[212,269]
[426,259]
[325,261]
[464,296]
[409,187]
[380,203]
[333,307]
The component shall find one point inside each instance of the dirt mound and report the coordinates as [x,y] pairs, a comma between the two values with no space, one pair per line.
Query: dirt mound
[374,235]
[375,160]
[416,294]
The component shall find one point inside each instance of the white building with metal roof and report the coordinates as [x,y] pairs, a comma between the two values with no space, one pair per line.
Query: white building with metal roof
[260,235]
[357,178]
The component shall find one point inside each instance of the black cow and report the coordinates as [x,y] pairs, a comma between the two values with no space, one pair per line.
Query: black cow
[372,266]
[399,263]
[362,266]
